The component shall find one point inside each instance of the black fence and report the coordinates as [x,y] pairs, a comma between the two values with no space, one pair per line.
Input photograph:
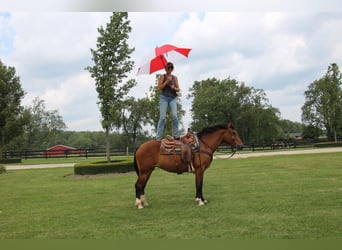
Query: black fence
[101,152]
[269,146]
[85,153]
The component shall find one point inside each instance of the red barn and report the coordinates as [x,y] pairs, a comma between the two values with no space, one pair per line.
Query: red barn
[62,149]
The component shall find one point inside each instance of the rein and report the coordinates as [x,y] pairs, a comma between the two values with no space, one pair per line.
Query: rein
[234,151]
[206,152]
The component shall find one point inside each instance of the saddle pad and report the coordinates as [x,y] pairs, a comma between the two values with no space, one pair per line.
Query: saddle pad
[170,147]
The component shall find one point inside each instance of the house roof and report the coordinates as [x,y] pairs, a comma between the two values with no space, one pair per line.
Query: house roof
[61,147]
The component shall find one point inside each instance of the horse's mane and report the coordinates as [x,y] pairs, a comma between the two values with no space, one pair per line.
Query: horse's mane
[208,130]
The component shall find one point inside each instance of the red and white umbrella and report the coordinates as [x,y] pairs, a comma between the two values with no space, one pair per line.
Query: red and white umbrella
[158,58]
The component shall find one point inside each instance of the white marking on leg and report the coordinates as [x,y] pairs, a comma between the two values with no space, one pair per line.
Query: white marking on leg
[143,201]
[138,204]
[199,202]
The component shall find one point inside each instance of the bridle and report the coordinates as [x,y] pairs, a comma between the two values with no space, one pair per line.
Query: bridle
[232,135]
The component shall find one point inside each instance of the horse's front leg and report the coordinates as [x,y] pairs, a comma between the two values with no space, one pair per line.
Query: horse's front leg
[199,186]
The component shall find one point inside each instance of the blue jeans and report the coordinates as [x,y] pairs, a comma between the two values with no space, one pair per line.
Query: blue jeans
[164,103]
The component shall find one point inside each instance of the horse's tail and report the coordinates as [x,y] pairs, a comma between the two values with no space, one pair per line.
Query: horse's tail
[135,161]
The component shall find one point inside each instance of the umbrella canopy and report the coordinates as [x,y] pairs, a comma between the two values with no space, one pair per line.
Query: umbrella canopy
[158,58]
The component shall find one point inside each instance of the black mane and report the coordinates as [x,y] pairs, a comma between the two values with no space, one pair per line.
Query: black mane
[212,129]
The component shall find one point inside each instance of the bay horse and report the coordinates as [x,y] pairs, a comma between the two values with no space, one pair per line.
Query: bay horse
[147,156]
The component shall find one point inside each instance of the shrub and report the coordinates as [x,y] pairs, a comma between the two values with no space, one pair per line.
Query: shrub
[101,167]
[2,169]
[328,144]
[11,160]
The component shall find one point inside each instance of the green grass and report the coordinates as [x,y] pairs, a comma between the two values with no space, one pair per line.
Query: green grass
[274,197]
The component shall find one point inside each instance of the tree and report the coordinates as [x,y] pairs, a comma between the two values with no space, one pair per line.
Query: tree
[12,115]
[219,101]
[312,132]
[323,103]
[112,63]
[289,127]
[135,116]
[42,128]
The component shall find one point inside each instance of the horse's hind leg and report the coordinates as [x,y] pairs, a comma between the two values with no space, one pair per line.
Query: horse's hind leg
[140,201]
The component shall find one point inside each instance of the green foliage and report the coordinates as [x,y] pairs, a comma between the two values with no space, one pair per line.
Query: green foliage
[219,101]
[323,103]
[42,129]
[102,167]
[11,112]
[135,116]
[328,144]
[112,64]
[2,169]
[11,160]
[312,132]
[84,140]
[290,126]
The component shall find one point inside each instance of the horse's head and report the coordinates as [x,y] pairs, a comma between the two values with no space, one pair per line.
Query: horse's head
[232,137]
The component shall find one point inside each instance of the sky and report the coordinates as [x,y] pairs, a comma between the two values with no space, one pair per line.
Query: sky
[280,50]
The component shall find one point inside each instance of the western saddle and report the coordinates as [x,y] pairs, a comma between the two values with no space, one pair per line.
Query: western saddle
[185,147]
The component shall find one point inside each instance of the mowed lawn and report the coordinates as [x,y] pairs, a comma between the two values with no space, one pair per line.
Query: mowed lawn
[274,197]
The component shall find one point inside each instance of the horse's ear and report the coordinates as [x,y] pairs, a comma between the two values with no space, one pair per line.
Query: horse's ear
[230,126]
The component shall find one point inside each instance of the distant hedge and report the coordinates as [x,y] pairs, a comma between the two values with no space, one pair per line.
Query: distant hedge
[328,144]
[102,167]
[10,160]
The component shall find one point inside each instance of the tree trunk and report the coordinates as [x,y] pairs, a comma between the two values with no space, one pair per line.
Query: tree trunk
[107,145]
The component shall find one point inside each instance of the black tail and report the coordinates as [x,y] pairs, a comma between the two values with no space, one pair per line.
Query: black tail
[135,162]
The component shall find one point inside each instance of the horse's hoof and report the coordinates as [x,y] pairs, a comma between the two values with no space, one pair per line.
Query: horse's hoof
[199,202]
[138,204]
